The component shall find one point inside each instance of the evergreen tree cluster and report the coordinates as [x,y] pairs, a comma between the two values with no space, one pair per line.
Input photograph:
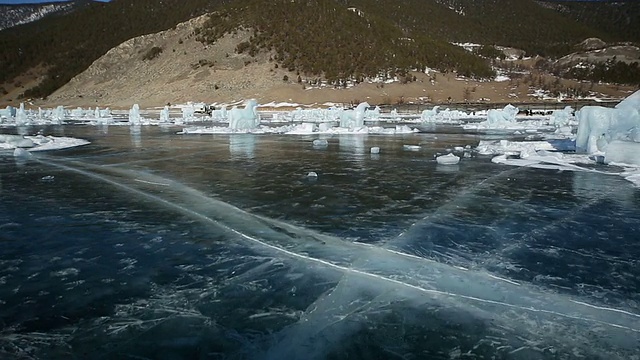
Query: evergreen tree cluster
[331,39]
[611,71]
[619,19]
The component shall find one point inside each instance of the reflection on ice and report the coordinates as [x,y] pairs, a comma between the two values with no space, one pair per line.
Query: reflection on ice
[352,143]
[242,145]
[136,137]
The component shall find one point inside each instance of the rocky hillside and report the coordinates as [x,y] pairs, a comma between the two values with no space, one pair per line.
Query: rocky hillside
[169,67]
[174,67]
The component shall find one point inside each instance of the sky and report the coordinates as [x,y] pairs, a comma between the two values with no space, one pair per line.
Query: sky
[16,2]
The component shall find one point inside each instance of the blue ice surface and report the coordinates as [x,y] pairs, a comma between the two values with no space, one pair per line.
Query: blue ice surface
[154,245]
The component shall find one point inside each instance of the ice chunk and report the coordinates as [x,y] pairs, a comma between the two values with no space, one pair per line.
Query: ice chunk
[134,115]
[632,101]
[373,114]
[21,153]
[244,119]
[404,129]
[164,114]
[220,114]
[17,141]
[506,115]
[312,174]
[623,152]
[411,147]
[324,127]
[429,115]
[188,112]
[320,143]
[21,116]
[375,150]
[8,112]
[354,118]
[600,125]
[58,115]
[448,159]
[561,117]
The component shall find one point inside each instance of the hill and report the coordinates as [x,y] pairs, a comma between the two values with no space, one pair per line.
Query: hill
[332,40]
[620,18]
[173,67]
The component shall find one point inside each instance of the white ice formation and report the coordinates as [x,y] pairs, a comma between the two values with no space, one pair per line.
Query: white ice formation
[448,159]
[220,114]
[353,119]
[7,112]
[562,117]
[599,127]
[38,142]
[430,115]
[188,112]
[244,119]
[21,116]
[320,143]
[164,114]
[134,115]
[506,115]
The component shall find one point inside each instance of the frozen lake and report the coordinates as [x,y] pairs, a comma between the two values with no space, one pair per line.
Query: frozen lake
[146,244]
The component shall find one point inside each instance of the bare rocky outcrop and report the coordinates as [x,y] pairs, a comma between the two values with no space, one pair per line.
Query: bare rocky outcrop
[597,51]
[591,44]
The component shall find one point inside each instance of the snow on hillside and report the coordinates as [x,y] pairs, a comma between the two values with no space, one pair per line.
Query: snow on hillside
[12,15]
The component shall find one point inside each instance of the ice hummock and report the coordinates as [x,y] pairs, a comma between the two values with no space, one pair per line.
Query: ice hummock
[562,117]
[354,119]
[244,119]
[134,115]
[164,114]
[448,159]
[599,127]
[505,115]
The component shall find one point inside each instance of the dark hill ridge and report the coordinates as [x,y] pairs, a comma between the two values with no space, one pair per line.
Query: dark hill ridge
[620,19]
[317,37]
